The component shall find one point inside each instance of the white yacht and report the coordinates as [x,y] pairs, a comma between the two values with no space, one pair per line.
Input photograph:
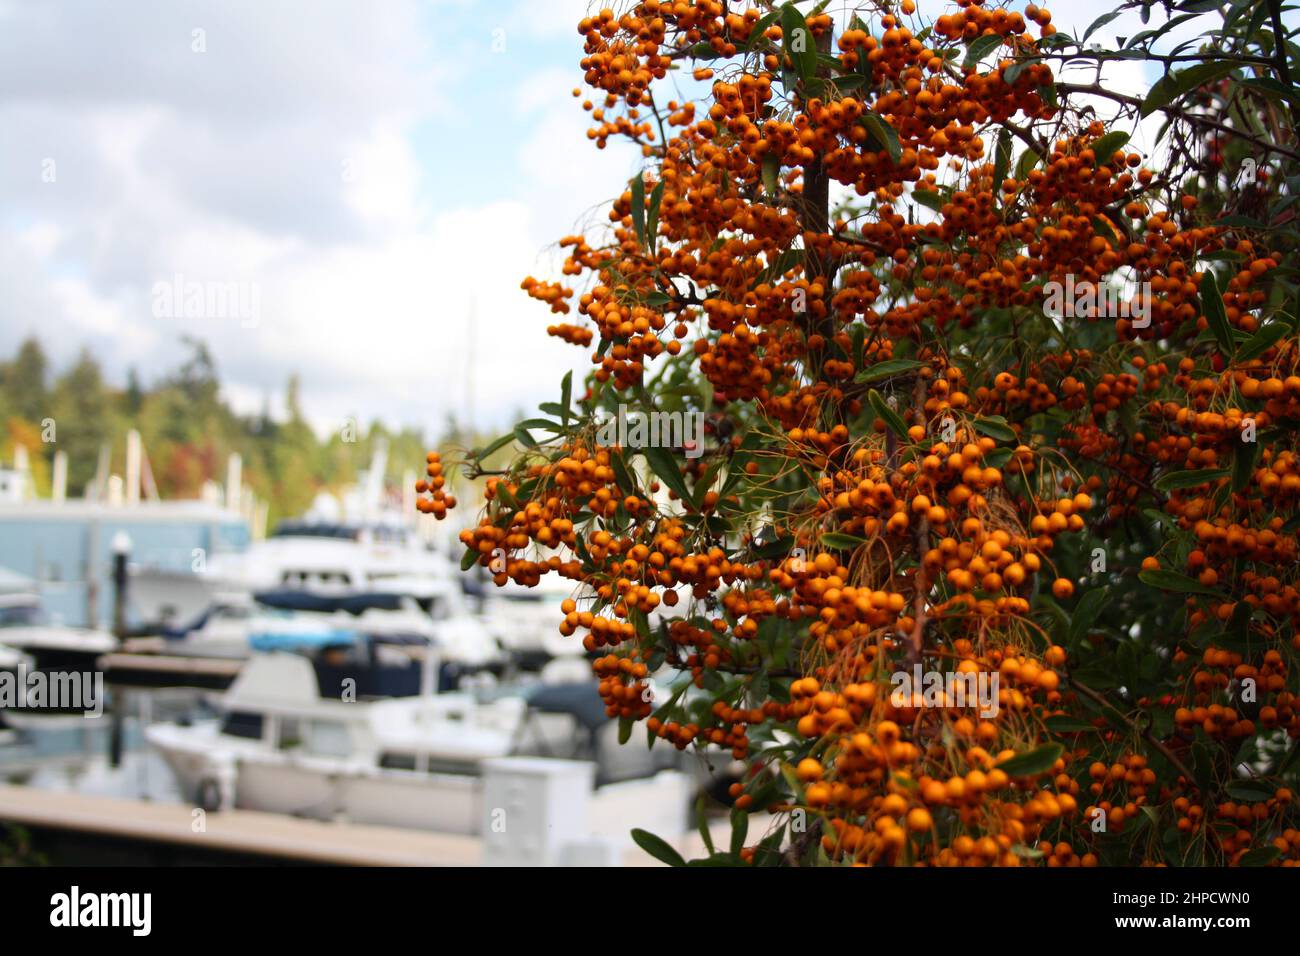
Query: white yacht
[284,746]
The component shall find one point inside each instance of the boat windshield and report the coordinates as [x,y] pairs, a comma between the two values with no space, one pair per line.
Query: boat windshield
[22,615]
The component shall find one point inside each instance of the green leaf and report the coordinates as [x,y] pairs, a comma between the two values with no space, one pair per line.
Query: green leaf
[771,174]
[1085,613]
[837,541]
[885,136]
[501,442]
[995,426]
[1260,856]
[522,436]
[468,559]
[625,725]
[1215,316]
[657,848]
[1001,161]
[1060,724]
[1100,22]
[1173,581]
[566,396]
[1031,762]
[1264,339]
[652,223]
[888,369]
[928,198]
[702,824]
[1106,146]
[1012,73]
[1249,791]
[662,463]
[890,417]
[638,209]
[1189,479]
[1171,86]
[739,830]
[1243,464]
[1273,89]
[1028,160]
[979,48]
[792,24]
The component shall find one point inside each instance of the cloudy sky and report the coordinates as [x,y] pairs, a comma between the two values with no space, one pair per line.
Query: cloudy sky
[374,178]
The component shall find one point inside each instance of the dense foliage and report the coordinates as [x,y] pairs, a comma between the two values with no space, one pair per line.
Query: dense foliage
[986,390]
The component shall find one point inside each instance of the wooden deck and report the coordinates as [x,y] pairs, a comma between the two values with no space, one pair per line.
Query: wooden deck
[236,831]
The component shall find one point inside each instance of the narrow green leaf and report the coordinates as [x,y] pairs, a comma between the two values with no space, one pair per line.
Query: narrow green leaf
[888,369]
[1264,339]
[638,209]
[657,848]
[979,48]
[838,541]
[1106,146]
[995,427]
[1215,316]
[652,223]
[891,418]
[664,465]
[1175,480]
[1173,581]
[884,135]
[1031,762]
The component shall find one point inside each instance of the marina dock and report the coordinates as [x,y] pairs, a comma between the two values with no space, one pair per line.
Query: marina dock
[84,828]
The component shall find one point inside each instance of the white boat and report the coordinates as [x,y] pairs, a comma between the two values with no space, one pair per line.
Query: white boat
[235,623]
[526,620]
[281,746]
[25,627]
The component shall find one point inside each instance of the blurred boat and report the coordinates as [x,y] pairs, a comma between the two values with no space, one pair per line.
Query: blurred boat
[25,627]
[235,623]
[284,744]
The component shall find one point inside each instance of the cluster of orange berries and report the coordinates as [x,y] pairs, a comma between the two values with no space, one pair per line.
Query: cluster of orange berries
[439,502]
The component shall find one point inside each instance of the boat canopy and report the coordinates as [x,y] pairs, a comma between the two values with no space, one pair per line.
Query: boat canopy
[297,600]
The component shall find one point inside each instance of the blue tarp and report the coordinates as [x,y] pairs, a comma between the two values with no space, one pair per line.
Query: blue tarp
[289,640]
